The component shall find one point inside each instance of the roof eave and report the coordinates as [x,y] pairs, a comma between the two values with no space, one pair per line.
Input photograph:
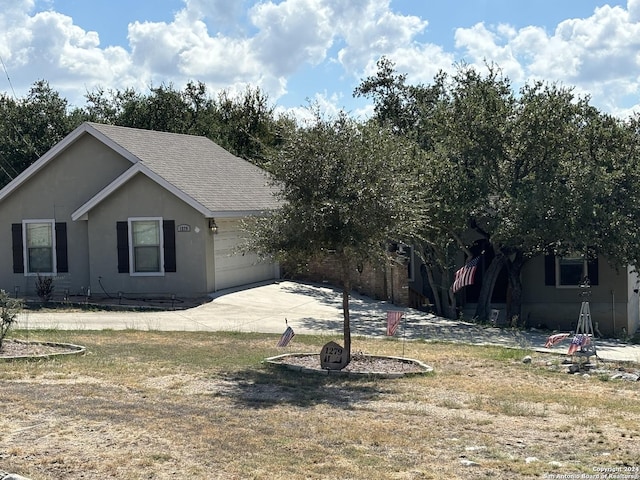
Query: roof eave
[240,213]
[82,212]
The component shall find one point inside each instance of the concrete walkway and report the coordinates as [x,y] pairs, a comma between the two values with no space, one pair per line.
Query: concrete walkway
[309,309]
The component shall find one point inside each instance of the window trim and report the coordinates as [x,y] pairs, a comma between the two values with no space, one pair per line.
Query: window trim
[585,271]
[132,264]
[25,247]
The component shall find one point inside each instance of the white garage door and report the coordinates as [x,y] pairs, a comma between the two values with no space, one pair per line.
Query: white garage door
[233,268]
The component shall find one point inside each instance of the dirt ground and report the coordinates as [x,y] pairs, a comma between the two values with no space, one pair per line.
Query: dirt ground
[136,414]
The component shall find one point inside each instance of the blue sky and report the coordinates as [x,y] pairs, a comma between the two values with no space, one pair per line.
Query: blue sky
[318,50]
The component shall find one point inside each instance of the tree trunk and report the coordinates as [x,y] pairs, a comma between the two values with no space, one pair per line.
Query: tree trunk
[514,307]
[346,289]
[451,304]
[486,292]
[346,292]
[435,290]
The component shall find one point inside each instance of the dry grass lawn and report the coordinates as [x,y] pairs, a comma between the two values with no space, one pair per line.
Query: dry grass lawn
[151,405]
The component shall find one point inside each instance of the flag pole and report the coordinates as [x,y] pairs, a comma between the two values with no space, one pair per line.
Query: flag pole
[404,336]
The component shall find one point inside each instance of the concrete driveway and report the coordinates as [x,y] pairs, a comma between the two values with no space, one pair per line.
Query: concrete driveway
[308,309]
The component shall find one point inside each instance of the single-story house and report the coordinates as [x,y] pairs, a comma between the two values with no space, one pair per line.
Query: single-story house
[551,295]
[112,210]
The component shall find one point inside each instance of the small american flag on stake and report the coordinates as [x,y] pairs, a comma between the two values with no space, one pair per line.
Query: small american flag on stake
[466,275]
[286,337]
[555,339]
[393,320]
[579,340]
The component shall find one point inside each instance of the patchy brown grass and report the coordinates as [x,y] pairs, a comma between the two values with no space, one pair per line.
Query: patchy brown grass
[198,405]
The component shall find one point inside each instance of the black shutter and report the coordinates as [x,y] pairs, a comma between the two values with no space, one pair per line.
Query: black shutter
[550,270]
[16,238]
[592,271]
[169,233]
[61,248]
[122,230]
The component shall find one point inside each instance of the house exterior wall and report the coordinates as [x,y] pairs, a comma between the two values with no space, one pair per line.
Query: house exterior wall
[558,308]
[210,261]
[142,197]
[389,282]
[633,301]
[91,251]
[55,192]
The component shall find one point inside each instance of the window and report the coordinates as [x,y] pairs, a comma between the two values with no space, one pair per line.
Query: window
[39,246]
[569,270]
[146,245]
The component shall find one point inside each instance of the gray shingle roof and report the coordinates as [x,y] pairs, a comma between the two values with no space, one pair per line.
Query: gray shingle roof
[197,166]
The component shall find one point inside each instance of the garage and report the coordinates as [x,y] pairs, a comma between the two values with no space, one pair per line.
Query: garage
[232,267]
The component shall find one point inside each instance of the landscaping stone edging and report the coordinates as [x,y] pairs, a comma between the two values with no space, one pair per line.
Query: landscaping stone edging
[278,362]
[69,349]
[11,476]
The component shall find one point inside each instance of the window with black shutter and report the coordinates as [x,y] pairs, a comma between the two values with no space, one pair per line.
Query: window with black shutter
[16,237]
[62,261]
[169,234]
[569,270]
[146,246]
[39,247]
[122,233]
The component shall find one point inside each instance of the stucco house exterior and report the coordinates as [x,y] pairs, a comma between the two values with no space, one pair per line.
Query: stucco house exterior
[551,296]
[115,209]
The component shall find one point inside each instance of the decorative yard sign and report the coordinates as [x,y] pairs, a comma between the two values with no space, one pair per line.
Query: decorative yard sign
[333,357]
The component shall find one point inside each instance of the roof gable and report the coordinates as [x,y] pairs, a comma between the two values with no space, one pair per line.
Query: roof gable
[207,173]
[197,170]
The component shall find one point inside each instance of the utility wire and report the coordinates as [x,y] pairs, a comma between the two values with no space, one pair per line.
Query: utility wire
[15,127]
[6,72]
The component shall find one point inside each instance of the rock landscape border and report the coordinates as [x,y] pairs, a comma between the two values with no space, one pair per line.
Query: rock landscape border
[287,360]
[60,349]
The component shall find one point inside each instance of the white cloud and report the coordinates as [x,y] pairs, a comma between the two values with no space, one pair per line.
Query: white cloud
[291,34]
[370,29]
[47,45]
[597,55]
[221,13]
[326,104]
[184,50]
[230,45]
[633,7]
[486,46]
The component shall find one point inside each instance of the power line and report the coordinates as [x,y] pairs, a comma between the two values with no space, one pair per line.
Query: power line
[6,72]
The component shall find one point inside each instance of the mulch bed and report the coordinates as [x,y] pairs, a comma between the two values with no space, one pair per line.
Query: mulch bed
[360,364]
[21,349]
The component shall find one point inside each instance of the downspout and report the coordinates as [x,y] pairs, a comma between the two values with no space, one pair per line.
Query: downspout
[613,311]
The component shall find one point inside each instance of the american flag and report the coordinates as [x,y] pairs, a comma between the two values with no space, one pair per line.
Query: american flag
[579,340]
[286,337]
[393,320]
[465,275]
[555,339]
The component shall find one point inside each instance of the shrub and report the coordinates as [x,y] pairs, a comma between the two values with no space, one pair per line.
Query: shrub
[9,309]
[44,288]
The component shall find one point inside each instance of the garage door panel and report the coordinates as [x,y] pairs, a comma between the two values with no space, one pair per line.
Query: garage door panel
[232,268]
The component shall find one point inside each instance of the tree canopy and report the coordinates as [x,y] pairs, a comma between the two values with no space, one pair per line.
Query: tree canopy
[31,126]
[245,124]
[540,171]
[344,187]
